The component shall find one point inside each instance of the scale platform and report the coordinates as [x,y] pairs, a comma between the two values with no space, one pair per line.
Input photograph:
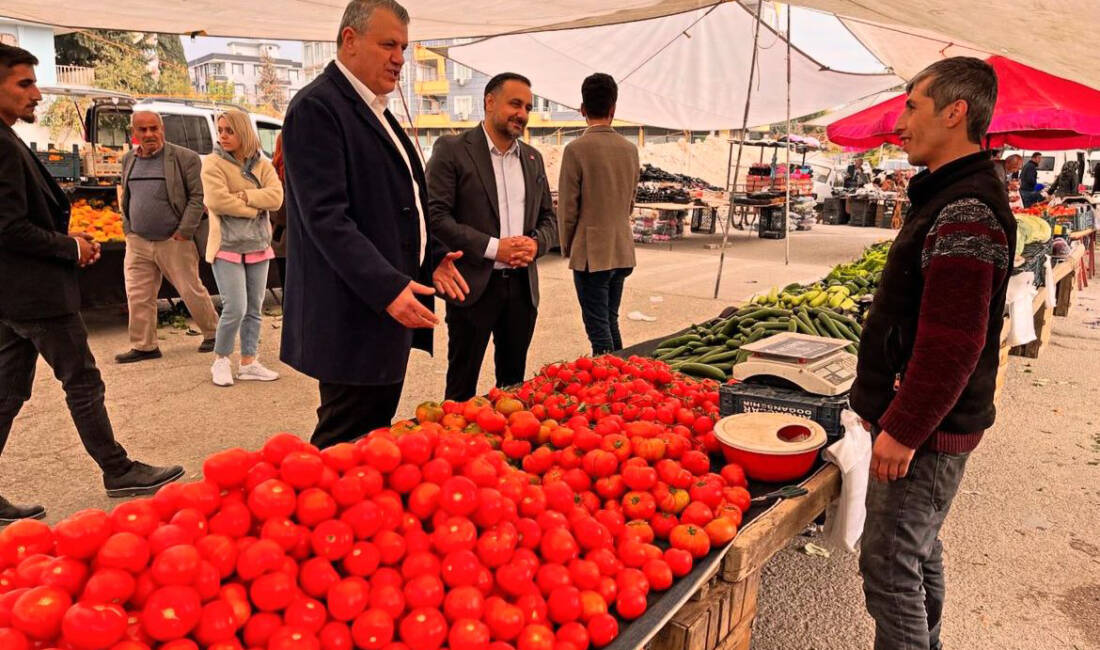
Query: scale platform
[816,364]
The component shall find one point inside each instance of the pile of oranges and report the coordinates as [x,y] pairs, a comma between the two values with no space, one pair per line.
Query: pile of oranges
[103,221]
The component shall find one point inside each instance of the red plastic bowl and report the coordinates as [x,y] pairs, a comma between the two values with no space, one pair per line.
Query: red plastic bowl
[776,465]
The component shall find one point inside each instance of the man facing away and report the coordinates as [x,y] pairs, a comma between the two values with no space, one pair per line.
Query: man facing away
[161,209]
[929,351]
[596,188]
[1029,179]
[489,199]
[40,297]
[360,262]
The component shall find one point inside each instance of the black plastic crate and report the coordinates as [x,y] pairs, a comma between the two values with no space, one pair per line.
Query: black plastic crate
[863,212]
[61,165]
[833,211]
[773,222]
[760,398]
[704,219]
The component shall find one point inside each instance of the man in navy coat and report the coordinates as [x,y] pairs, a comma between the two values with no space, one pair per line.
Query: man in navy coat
[362,259]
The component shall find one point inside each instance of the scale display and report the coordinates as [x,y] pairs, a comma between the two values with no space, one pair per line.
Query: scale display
[815,364]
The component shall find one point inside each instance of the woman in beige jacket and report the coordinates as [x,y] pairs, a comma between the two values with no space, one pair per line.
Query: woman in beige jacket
[239,187]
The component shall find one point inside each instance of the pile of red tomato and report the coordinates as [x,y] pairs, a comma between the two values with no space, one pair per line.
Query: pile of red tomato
[528,523]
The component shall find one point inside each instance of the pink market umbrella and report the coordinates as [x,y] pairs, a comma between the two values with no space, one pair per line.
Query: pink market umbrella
[1034,110]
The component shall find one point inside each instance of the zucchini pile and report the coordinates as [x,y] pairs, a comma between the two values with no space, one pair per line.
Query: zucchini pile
[841,290]
[712,349]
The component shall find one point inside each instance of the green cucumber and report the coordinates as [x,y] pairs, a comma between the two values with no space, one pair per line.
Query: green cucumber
[703,370]
[678,341]
[673,353]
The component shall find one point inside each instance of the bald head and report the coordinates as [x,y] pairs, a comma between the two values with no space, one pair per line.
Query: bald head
[148,129]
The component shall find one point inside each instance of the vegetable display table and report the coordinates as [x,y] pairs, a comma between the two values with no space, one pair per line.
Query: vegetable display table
[1088,239]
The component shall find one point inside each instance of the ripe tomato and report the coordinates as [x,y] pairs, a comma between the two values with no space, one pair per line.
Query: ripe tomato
[564,604]
[739,497]
[125,551]
[631,603]
[272,498]
[460,569]
[217,623]
[38,612]
[372,630]
[697,513]
[639,477]
[171,613]
[663,523]
[574,633]
[348,598]
[273,591]
[558,545]
[424,591]
[602,630]
[695,462]
[259,558]
[137,516]
[639,530]
[593,604]
[293,638]
[306,613]
[88,626]
[365,518]
[391,546]
[731,512]
[109,586]
[706,491]
[423,629]
[82,534]
[388,598]
[535,637]
[456,534]
[658,573]
[316,505]
[332,539]
[362,560]
[458,496]
[468,634]
[720,531]
[178,565]
[505,621]
[690,538]
[64,573]
[336,636]
[463,603]
[734,475]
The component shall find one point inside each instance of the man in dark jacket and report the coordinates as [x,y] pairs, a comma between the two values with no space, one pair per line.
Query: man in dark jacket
[358,292]
[1029,179]
[929,351]
[40,297]
[489,198]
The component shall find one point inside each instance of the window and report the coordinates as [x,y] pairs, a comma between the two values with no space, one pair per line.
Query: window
[191,131]
[8,38]
[396,107]
[238,69]
[464,106]
[217,68]
[426,72]
[294,75]
[268,132]
[462,73]
[112,128]
[256,69]
[541,105]
[238,90]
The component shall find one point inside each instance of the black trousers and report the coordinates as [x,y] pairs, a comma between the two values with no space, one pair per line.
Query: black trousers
[348,412]
[504,311]
[600,293]
[63,343]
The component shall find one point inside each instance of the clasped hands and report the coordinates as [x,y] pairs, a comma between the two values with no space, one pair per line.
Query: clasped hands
[89,248]
[408,311]
[517,252]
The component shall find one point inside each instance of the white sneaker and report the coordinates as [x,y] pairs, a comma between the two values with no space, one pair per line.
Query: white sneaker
[256,372]
[222,372]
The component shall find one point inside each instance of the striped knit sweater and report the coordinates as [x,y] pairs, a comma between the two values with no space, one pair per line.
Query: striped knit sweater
[965,256]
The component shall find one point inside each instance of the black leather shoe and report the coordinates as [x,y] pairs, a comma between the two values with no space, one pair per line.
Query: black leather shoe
[12,513]
[137,355]
[140,479]
[207,345]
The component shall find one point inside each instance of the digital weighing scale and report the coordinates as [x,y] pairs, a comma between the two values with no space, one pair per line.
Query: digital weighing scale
[815,364]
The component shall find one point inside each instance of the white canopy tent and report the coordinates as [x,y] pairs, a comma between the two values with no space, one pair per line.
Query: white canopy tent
[1050,35]
[685,71]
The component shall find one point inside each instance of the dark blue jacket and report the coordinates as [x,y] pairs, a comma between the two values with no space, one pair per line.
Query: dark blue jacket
[353,238]
[1029,177]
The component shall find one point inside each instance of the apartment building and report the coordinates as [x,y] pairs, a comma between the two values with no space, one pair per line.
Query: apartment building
[241,66]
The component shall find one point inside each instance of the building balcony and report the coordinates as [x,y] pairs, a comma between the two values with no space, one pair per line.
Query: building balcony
[75,75]
[433,87]
[421,53]
[433,120]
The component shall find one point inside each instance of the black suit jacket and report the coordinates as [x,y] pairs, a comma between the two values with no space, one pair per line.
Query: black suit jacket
[462,202]
[38,260]
[353,238]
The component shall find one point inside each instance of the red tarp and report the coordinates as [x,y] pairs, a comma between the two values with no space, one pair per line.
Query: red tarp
[1034,110]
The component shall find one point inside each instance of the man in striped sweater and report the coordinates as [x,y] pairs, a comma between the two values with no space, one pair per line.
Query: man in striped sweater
[929,352]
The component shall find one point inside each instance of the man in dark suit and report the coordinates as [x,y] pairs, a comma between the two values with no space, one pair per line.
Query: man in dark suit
[489,199]
[358,292]
[40,297]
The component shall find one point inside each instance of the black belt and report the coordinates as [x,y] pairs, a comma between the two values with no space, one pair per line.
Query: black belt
[509,273]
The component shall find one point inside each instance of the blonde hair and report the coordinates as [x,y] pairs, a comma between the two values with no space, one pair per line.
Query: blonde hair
[242,126]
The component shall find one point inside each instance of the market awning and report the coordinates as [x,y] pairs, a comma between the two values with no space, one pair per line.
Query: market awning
[1049,34]
[1034,110]
[686,71]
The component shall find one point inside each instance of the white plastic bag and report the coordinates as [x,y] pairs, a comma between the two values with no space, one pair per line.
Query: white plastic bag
[1052,294]
[852,455]
[1021,294]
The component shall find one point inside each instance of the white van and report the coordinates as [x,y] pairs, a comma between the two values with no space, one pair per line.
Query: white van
[187,123]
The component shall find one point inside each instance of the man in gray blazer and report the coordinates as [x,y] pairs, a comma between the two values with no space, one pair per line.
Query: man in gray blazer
[489,198]
[161,209]
[599,177]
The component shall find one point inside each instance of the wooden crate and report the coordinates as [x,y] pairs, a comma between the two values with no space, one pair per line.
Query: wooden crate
[766,535]
[721,619]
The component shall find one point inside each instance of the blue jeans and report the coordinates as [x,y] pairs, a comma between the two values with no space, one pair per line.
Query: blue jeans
[242,287]
[600,294]
[901,556]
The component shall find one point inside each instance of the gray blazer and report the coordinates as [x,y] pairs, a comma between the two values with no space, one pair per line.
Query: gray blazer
[183,177]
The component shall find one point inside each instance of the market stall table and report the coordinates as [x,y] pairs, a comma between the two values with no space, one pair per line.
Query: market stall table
[1087,238]
[668,222]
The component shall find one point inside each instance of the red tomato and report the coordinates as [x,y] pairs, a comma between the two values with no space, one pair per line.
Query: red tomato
[658,573]
[217,623]
[458,496]
[708,492]
[293,638]
[365,518]
[272,591]
[593,603]
[731,512]
[124,551]
[137,516]
[639,530]
[333,539]
[639,477]
[697,513]
[372,630]
[690,538]
[564,604]
[388,598]
[178,565]
[574,633]
[259,558]
[362,560]
[424,591]
[381,454]
[630,604]
[109,586]
[38,611]
[423,629]
[166,536]
[424,500]
[602,630]
[279,445]
[272,498]
[82,534]
[202,496]
[171,613]
[90,626]
[237,597]
[456,534]
[695,462]
[505,621]
[348,598]
[336,636]
[558,545]
[639,505]
[463,603]
[306,613]
[65,573]
[535,637]
[734,476]
[468,634]
[720,531]
[460,569]
[315,505]
[739,497]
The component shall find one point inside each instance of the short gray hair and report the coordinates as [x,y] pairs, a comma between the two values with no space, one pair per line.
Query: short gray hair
[358,12]
[962,78]
[160,120]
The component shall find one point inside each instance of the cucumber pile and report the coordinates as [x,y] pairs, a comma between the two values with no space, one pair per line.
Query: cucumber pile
[712,349]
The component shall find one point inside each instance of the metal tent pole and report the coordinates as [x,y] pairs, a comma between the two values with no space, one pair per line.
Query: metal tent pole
[787,234]
[731,186]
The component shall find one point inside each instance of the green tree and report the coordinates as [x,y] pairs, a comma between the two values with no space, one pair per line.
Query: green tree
[124,61]
[220,91]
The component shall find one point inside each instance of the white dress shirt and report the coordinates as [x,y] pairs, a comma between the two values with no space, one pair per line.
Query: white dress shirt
[511,194]
[377,104]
